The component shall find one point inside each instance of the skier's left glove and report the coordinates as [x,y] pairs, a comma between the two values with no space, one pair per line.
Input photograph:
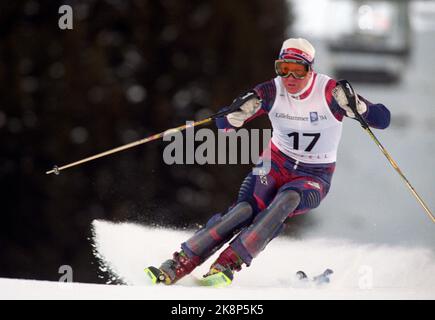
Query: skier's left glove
[340,96]
[250,105]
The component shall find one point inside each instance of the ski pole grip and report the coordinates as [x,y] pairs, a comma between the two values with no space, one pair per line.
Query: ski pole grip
[352,98]
[236,104]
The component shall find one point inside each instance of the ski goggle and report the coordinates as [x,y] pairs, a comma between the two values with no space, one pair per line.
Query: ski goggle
[285,67]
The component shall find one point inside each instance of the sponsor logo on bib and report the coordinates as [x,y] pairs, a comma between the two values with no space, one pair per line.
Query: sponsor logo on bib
[314,117]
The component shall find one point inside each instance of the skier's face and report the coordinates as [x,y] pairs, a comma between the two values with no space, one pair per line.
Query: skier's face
[294,85]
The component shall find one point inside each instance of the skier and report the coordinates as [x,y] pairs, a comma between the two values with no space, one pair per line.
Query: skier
[306,110]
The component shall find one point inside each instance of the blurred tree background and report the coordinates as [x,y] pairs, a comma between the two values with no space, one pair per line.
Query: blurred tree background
[128,69]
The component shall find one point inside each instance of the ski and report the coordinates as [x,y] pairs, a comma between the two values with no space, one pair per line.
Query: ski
[322,278]
[217,280]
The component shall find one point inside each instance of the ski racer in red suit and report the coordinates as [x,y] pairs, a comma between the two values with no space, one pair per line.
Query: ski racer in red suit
[306,110]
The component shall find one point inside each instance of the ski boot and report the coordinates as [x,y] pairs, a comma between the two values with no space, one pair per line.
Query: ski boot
[173,269]
[221,272]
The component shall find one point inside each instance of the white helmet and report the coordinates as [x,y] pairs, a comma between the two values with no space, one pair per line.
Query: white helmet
[299,49]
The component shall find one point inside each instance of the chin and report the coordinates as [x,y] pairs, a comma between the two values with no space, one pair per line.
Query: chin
[292,89]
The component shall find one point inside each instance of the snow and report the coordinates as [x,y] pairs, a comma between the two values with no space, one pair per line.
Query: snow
[361,271]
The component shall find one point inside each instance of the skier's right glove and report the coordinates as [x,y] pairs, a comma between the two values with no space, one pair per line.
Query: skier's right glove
[250,104]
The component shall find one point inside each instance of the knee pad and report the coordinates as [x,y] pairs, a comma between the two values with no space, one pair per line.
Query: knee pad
[213,220]
[310,190]
[240,212]
[311,198]
[235,218]
[285,201]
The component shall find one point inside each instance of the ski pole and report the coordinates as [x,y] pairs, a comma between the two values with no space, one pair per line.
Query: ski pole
[57,169]
[233,107]
[351,97]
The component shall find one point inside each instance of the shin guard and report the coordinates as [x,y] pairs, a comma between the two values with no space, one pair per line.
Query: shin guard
[218,231]
[266,226]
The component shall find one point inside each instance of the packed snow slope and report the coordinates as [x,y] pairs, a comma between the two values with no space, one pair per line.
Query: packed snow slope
[360,271]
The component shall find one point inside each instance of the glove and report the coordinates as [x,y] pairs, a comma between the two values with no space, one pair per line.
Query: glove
[247,109]
[341,98]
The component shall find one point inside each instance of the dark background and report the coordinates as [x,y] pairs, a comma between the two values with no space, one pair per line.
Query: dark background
[128,69]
